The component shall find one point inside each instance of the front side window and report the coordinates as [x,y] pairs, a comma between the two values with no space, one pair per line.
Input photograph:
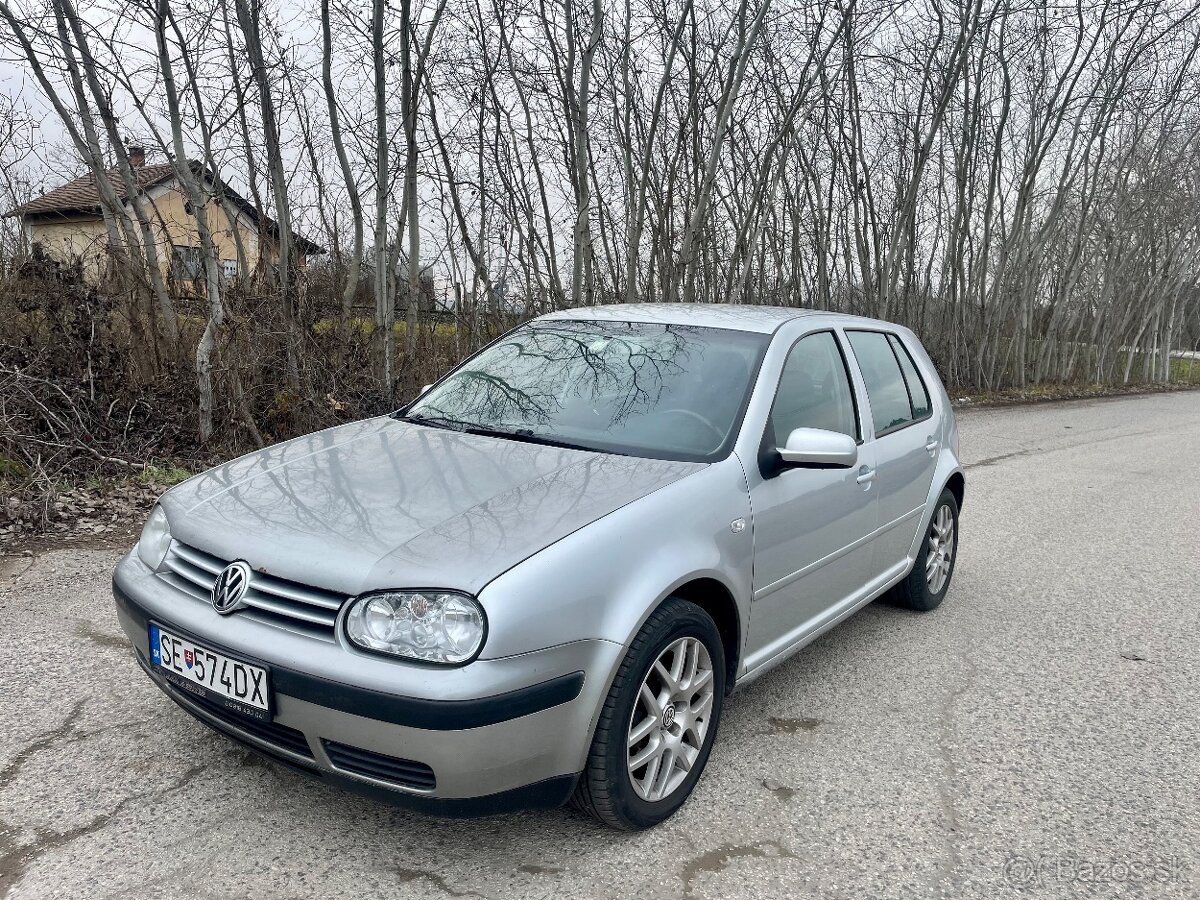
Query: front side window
[814,390]
[664,391]
[890,405]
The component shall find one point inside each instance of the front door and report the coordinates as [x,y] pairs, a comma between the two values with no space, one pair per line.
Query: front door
[811,526]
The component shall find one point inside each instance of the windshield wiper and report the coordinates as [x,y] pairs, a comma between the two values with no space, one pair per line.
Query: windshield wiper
[447,422]
[525,435]
[529,436]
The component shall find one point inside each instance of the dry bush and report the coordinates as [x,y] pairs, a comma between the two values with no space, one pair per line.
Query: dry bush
[83,406]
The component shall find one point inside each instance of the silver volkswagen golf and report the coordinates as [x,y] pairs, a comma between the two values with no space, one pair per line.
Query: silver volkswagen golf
[540,581]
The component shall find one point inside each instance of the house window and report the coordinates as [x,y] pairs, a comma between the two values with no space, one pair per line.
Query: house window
[229,268]
[187,263]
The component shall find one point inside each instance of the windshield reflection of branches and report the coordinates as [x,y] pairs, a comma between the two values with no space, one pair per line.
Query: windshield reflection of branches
[530,378]
[645,367]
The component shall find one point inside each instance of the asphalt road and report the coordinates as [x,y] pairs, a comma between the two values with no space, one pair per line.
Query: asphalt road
[1038,735]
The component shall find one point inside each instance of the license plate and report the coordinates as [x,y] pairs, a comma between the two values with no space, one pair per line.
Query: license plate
[198,670]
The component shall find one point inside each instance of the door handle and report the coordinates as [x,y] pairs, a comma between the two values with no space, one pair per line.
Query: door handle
[932,444]
[865,475]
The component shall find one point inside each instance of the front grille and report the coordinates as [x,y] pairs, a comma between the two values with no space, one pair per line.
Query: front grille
[403,772]
[285,604]
[273,733]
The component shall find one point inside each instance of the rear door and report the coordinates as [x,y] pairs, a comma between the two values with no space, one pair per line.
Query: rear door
[905,439]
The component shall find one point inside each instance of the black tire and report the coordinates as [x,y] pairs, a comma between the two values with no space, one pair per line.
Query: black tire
[605,789]
[914,592]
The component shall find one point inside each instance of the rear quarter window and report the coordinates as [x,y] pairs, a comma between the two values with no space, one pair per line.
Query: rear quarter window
[917,392]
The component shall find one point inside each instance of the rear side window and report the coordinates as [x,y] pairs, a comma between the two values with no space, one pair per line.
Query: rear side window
[917,393]
[886,388]
[814,390]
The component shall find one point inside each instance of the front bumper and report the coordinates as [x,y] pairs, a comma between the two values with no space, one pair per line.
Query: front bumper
[494,735]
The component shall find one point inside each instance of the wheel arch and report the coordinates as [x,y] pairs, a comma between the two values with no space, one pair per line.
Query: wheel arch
[947,477]
[717,600]
[956,484]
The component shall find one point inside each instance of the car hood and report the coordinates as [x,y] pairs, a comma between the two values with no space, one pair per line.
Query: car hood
[386,504]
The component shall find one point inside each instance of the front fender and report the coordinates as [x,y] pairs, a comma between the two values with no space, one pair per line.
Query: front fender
[604,580]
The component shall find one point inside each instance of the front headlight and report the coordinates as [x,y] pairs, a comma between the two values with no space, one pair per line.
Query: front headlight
[155,540]
[429,626]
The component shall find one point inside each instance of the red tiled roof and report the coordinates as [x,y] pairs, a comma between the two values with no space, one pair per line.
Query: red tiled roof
[83,196]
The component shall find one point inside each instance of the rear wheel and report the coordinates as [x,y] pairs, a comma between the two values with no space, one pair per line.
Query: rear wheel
[658,723]
[927,583]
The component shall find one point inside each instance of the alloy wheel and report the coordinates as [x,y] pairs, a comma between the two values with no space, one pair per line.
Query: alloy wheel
[670,719]
[941,549]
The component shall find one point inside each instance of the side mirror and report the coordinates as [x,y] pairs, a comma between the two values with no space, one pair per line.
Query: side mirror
[424,388]
[817,448]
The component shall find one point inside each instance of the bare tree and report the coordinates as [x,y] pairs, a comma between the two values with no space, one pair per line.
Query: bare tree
[1016,182]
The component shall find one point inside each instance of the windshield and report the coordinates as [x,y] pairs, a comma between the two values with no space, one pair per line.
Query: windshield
[666,391]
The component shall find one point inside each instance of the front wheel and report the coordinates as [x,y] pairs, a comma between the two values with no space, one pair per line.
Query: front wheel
[658,722]
[926,585]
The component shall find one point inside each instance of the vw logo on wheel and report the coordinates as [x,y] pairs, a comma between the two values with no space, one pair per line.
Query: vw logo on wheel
[230,587]
[668,715]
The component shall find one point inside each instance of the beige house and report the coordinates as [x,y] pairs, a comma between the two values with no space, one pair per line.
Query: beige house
[67,224]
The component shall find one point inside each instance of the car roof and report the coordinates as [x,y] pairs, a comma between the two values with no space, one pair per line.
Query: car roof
[762,319]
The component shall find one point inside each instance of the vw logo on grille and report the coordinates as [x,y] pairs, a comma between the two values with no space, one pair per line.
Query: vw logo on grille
[230,587]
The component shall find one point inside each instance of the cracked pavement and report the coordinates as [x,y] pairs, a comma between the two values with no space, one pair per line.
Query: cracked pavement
[1036,736]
